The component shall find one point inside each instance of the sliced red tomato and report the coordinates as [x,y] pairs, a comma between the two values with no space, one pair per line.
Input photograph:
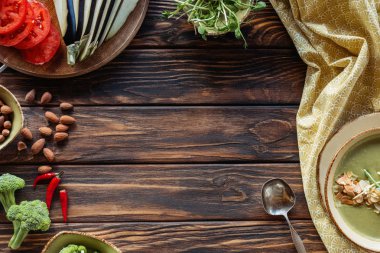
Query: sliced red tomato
[12,15]
[41,28]
[44,51]
[13,38]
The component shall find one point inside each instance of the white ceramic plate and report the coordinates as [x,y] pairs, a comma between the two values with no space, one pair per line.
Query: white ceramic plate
[337,218]
[332,147]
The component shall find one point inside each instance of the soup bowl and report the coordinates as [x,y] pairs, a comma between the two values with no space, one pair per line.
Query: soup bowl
[358,223]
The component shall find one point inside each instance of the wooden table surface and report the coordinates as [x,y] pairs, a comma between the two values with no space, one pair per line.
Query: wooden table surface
[174,140]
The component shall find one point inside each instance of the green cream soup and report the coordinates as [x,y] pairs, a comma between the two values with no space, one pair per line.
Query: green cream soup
[363,155]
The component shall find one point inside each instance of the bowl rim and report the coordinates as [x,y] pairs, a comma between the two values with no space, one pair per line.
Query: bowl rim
[10,140]
[328,175]
[367,118]
[49,243]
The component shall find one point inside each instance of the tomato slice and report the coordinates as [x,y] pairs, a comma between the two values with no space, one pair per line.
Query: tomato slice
[12,15]
[45,50]
[13,38]
[41,28]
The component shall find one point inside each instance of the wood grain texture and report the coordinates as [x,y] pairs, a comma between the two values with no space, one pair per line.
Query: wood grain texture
[173,98]
[100,193]
[199,237]
[179,77]
[263,30]
[169,135]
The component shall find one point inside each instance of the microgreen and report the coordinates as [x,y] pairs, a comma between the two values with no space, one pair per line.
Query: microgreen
[369,176]
[214,15]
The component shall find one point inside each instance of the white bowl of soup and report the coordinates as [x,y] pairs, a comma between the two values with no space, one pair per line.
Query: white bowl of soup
[348,189]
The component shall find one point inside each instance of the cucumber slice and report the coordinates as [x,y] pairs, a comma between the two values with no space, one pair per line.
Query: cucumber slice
[83,16]
[125,9]
[61,10]
[87,50]
[86,14]
[76,11]
[110,20]
[107,17]
[90,17]
[80,20]
[102,18]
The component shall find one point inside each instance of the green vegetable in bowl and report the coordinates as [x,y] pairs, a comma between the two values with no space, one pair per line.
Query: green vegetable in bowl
[72,248]
[8,185]
[69,249]
[28,216]
[215,17]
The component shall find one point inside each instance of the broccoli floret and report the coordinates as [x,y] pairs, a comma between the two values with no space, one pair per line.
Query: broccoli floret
[8,185]
[28,216]
[74,249]
[82,249]
[69,249]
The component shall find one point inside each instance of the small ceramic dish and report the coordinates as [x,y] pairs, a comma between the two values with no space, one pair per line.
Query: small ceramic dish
[18,118]
[62,239]
[341,137]
[349,219]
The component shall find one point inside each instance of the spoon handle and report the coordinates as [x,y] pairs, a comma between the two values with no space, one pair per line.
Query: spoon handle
[296,238]
[2,68]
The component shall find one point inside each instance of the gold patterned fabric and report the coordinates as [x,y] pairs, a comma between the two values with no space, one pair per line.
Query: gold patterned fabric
[339,40]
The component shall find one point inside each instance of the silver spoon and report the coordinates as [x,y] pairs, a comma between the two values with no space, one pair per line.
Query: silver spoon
[278,199]
[2,68]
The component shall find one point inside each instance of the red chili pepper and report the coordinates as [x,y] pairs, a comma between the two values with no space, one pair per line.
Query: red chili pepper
[51,188]
[42,177]
[64,199]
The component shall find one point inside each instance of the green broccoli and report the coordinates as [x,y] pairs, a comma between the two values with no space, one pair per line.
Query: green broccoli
[8,185]
[28,216]
[74,249]
[69,249]
[82,249]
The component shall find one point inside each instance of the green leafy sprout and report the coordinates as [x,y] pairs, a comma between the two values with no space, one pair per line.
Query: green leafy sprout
[28,216]
[371,179]
[215,15]
[8,185]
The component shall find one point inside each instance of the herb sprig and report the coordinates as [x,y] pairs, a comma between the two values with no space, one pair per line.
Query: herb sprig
[220,16]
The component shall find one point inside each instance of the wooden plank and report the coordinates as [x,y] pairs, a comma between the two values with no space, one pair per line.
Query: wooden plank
[197,237]
[170,135]
[179,77]
[263,30]
[166,192]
